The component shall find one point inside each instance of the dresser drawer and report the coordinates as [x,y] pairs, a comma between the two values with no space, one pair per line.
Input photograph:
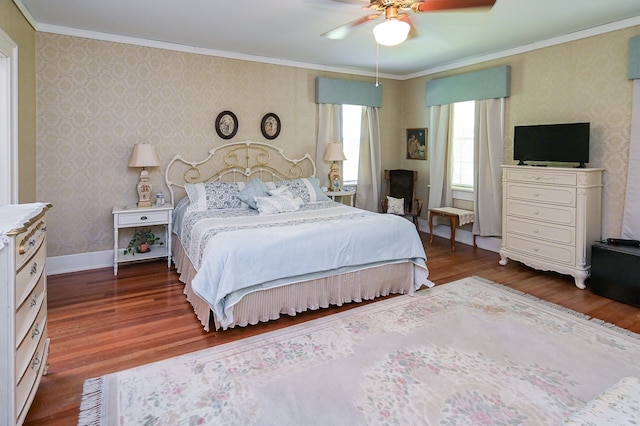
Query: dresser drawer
[29,241]
[542,194]
[27,312]
[548,214]
[564,255]
[540,230]
[542,177]
[27,346]
[25,386]
[29,274]
[143,218]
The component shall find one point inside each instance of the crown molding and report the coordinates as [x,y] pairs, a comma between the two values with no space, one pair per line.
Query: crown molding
[577,35]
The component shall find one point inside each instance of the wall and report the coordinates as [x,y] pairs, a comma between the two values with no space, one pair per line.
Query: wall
[96,99]
[583,80]
[18,28]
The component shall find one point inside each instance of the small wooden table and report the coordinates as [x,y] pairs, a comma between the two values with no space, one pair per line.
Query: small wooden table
[133,216]
[457,217]
[343,193]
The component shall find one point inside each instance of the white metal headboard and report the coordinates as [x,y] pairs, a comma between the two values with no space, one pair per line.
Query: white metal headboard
[236,162]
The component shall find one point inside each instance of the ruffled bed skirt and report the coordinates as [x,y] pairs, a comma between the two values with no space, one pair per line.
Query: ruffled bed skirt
[265,305]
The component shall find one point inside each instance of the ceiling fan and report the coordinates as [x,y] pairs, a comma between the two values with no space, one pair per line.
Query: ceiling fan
[397,25]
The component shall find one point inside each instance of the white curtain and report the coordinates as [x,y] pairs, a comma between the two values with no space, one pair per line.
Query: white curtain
[440,172]
[329,130]
[488,153]
[369,172]
[631,217]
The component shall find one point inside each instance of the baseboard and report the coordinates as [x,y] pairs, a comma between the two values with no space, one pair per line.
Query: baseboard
[104,259]
[79,262]
[462,236]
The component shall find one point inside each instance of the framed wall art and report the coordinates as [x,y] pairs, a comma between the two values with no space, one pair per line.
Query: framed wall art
[226,125]
[417,144]
[270,126]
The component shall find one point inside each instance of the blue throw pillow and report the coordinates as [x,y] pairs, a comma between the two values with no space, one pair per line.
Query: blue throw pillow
[254,188]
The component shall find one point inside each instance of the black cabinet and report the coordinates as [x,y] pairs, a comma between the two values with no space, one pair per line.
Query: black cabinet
[615,272]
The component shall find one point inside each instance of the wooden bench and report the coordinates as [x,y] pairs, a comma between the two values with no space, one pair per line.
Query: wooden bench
[457,217]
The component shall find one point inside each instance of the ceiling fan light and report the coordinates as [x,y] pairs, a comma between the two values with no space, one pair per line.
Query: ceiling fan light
[391,32]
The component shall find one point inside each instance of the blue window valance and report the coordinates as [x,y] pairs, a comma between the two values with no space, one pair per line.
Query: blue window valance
[490,83]
[347,92]
[633,70]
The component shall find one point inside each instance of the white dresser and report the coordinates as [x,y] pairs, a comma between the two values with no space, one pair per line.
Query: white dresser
[550,218]
[24,344]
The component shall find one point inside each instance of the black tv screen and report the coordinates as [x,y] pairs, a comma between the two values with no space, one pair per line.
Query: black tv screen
[562,143]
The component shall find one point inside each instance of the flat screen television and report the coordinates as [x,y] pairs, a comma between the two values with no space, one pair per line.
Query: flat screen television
[562,143]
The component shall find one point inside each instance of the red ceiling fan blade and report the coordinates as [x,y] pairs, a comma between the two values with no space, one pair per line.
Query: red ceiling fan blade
[343,30]
[441,5]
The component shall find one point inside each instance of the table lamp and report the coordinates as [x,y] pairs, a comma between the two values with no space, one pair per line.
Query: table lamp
[334,153]
[144,155]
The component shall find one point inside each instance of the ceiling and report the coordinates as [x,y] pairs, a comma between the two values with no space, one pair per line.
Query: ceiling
[289,31]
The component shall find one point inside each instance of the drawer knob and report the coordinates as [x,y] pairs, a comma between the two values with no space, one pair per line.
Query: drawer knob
[35,363]
[34,268]
[536,249]
[535,231]
[36,331]
[536,194]
[536,212]
[143,218]
[33,301]
[32,243]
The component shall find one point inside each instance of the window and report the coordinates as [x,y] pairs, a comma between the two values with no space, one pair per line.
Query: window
[463,144]
[351,126]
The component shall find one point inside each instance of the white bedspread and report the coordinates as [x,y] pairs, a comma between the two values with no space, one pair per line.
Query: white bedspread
[241,252]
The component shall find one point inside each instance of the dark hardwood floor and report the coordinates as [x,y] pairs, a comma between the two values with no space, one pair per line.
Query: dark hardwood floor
[100,324]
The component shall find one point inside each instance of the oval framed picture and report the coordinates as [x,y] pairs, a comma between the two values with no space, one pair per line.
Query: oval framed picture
[270,126]
[226,125]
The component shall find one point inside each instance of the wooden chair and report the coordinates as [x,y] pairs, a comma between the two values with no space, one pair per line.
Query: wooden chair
[402,184]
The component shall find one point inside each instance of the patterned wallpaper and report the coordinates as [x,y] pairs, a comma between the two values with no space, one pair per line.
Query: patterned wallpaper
[96,99]
[583,80]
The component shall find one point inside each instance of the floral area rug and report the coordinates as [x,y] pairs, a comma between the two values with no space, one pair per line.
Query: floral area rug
[464,353]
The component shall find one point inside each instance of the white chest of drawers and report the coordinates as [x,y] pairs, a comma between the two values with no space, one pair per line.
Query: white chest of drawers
[24,344]
[550,218]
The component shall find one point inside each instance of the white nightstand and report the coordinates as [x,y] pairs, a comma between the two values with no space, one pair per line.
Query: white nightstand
[132,217]
[343,193]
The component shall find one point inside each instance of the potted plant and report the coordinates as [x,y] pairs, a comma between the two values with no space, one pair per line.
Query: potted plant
[141,242]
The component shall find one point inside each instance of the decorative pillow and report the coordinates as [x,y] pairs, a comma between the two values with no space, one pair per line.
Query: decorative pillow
[254,188]
[278,204]
[306,188]
[283,190]
[213,195]
[395,205]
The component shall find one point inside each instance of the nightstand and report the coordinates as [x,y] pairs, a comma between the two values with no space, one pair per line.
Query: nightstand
[133,217]
[342,193]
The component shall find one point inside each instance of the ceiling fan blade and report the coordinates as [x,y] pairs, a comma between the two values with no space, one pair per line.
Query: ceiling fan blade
[442,5]
[412,29]
[343,30]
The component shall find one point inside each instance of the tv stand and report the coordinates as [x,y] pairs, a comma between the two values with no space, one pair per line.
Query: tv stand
[550,218]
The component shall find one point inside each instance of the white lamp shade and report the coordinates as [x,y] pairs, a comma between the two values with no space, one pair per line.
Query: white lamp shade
[144,155]
[333,152]
[391,32]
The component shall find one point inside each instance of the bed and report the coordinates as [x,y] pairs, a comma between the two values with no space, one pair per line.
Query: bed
[256,237]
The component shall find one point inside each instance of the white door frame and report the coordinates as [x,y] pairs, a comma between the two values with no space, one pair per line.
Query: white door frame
[8,120]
